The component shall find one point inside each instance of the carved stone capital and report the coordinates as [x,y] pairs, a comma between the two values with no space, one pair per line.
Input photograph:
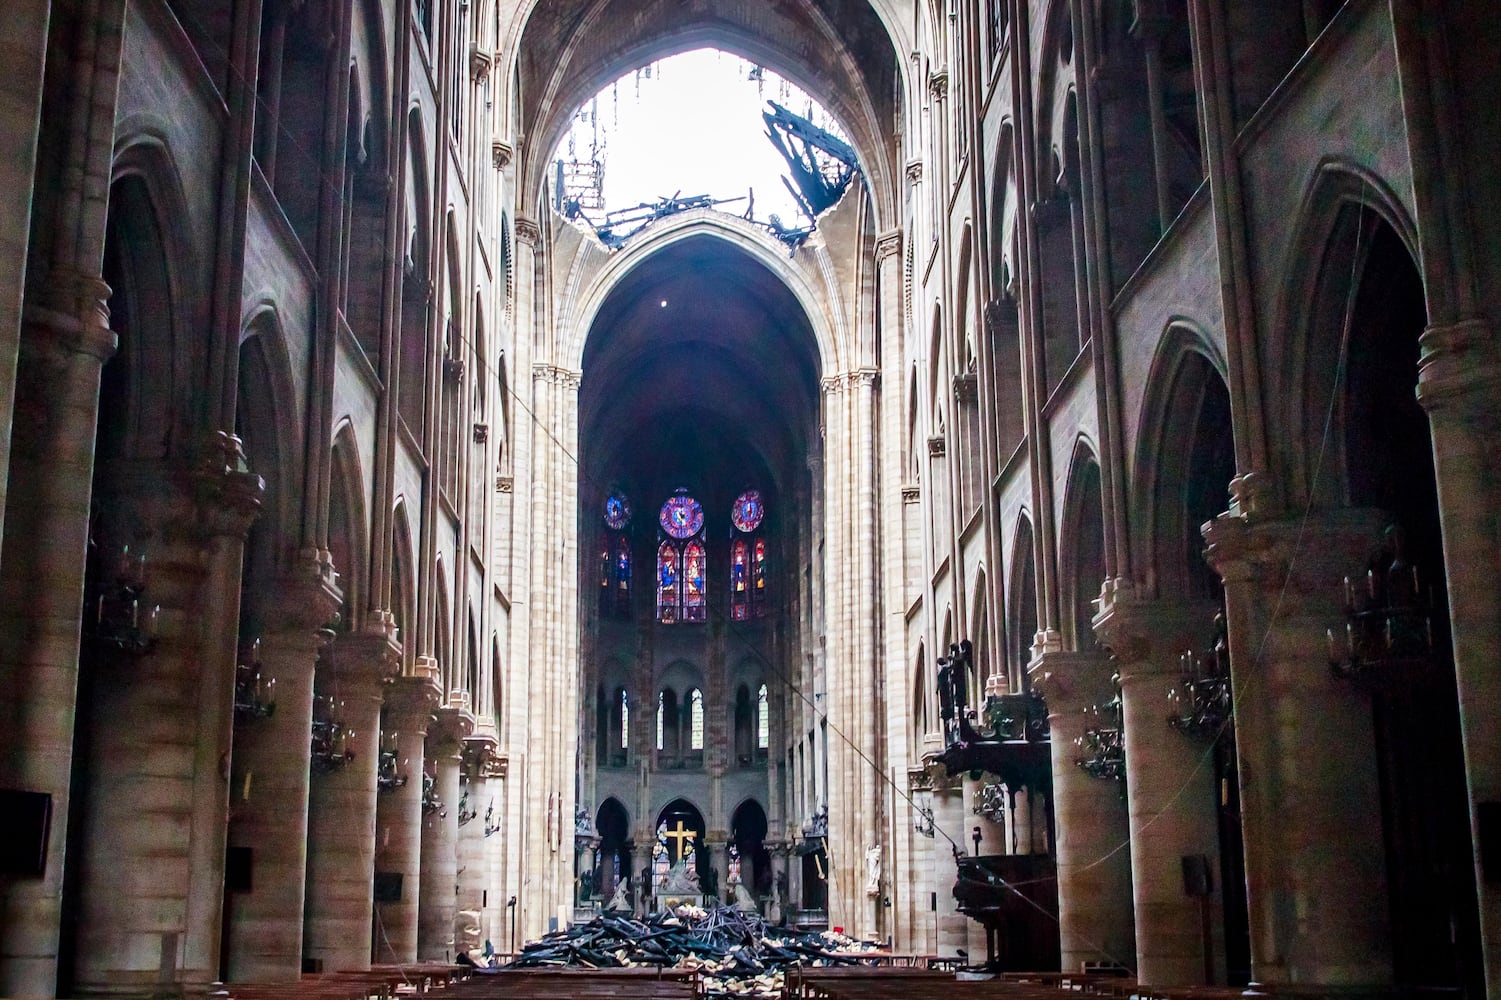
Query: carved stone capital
[556,375]
[308,598]
[889,245]
[450,728]
[967,387]
[863,377]
[480,746]
[369,655]
[914,171]
[227,494]
[500,154]
[480,62]
[1000,314]
[1071,682]
[1244,550]
[411,703]
[911,493]
[528,232]
[1149,636]
[504,484]
[938,85]
[832,384]
[937,447]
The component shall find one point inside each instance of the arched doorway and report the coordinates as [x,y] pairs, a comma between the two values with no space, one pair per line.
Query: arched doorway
[749,854]
[613,824]
[679,847]
[1388,452]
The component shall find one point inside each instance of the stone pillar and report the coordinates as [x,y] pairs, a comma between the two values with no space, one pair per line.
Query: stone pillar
[1094,866]
[341,806]
[948,817]
[269,796]
[410,704]
[717,843]
[1459,391]
[41,581]
[154,789]
[1170,791]
[440,836]
[1310,796]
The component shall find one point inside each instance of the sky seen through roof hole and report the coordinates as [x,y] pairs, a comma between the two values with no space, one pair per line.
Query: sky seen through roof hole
[687,125]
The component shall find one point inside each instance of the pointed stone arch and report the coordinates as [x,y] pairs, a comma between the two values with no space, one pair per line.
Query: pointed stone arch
[1185,426]
[1081,545]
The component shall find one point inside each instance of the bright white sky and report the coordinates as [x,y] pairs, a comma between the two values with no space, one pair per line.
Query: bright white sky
[690,125]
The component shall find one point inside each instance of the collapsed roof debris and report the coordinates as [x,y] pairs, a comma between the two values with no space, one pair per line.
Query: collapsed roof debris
[821,179]
[737,952]
[822,166]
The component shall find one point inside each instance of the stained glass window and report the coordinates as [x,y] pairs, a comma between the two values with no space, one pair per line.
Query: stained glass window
[763,720]
[695,607]
[759,577]
[615,577]
[740,584]
[668,590]
[681,516]
[661,718]
[625,719]
[623,572]
[695,719]
[748,511]
[617,511]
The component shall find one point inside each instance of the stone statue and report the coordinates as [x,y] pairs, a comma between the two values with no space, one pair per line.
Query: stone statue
[582,825]
[682,879]
[774,915]
[873,872]
[818,823]
[743,899]
[620,902]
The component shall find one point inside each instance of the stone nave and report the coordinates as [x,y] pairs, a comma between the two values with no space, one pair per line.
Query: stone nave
[1100,494]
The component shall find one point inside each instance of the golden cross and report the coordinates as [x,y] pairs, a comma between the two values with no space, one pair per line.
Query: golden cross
[682,835]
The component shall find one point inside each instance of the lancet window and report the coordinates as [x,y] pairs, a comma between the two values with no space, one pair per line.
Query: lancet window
[748,558]
[682,561]
[615,560]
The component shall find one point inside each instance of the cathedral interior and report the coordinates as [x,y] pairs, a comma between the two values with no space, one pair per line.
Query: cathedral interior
[1071,539]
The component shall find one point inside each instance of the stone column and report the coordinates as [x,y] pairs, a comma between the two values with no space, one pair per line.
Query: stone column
[1457,386]
[269,795]
[341,806]
[1094,865]
[1170,791]
[410,704]
[948,817]
[437,903]
[1310,796]
[62,351]
[717,843]
[154,794]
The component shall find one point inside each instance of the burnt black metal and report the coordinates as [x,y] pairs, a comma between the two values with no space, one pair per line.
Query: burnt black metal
[819,183]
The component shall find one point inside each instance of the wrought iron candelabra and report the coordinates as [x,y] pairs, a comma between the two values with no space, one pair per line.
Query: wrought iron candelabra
[255,697]
[1103,743]
[1388,622]
[492,825]
[388,773]
[122,622]
[331,740]
[1201,705]
[430,801]
[465,813]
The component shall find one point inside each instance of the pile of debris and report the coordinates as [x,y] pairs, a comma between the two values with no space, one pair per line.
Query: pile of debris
[735,952]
